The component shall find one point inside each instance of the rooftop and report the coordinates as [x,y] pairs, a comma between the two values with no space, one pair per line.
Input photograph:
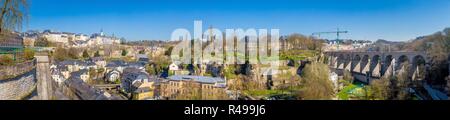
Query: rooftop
[95,59]
[202,79]
[79,73]
[116,63]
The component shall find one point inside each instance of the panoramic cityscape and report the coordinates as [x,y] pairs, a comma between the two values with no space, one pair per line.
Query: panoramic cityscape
[150,50]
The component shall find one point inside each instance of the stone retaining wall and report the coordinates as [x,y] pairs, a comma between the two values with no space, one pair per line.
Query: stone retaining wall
[18,87]
[12,71]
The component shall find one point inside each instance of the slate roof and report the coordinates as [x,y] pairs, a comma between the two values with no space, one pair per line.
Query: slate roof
[201,79]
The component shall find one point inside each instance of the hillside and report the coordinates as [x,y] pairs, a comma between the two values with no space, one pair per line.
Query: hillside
[437,46]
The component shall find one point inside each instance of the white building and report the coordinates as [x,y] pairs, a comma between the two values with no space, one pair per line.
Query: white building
[132,77]
[334,78]
[113,76]
[57,76]
[79,43]
[100,39]
[361,44]
[57,37]
[173,67]
[99,61]
[82,74]
[81,37]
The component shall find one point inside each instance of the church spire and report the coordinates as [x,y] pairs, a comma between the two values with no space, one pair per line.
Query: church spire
[101,32]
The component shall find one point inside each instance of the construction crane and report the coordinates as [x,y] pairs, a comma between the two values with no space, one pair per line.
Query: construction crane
[337,32]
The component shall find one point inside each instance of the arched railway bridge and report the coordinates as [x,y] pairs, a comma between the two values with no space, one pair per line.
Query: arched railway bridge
[379,64]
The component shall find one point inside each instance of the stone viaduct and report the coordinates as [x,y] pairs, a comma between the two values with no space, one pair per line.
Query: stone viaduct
[379,64]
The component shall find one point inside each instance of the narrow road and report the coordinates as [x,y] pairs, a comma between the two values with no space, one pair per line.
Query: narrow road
[44,88]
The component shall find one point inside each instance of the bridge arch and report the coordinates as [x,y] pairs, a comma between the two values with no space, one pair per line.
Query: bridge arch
[341,61]
[403,65]
[382,64]
[355,60]
[375,61]
[402,61]
[364,61]
[348,59]
[333,59]
[418,67]
[387,62]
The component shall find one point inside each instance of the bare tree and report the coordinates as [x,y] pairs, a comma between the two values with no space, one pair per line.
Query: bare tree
[403,83]
[13,13]
[381,89]
[190,90]
[316,83]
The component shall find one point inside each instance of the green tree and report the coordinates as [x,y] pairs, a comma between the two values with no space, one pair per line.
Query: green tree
[229,72]
[124,52]
[168,52]
[28,53]
[97,54]
[142,52]
[316,84]
[150,69]
[85,54]
[161,63]
[13,13]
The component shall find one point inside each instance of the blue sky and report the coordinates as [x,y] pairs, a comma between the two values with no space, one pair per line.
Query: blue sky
[395,20]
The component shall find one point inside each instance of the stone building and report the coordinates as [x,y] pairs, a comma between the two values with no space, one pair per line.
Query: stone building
[11,40]
[208,88]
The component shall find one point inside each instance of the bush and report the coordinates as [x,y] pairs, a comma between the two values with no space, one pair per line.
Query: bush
[124,52]
[117,81]
[168,52]
[28,53]
[229,72]
[6,60]
[85,54]
[97,54]
[60,54]
[142,52]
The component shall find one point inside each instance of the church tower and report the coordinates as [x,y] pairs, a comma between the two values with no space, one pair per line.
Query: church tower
[101,32]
